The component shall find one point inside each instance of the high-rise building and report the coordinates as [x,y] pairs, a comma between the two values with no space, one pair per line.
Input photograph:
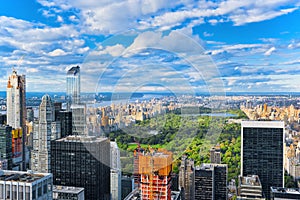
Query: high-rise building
[29,114]
[215,155]
[211,182]
[262,152]
[187,178]
[78,119]
[40,155]
[16,113]
[250,188]
[18,185]
[155,168]
[82,161]
[65,118]
[115,172]
[6,146]
[284,193]
[73,86]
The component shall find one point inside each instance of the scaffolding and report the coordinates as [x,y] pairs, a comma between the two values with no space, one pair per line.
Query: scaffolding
[155,167]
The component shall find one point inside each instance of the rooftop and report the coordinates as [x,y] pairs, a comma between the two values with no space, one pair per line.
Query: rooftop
[19,176]
[82,139]
[251,180]
[73,70]
[209,166]
[67,189]
[286,190]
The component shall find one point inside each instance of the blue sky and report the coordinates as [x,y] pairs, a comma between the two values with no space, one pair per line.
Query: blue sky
[153,45]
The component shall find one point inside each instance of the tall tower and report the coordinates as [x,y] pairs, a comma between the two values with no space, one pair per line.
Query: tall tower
[16,114]
[211,181]
[73,86]
[187,177]
[115,172]
[262,152]
[40,161]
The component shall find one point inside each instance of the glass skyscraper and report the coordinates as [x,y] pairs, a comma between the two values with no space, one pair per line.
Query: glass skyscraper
[262,152]
[73,86]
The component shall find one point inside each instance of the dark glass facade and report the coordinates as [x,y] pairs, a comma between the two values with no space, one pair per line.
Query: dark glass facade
[6,145]
[211,182]
[82,163]
[262,154]
[65,118]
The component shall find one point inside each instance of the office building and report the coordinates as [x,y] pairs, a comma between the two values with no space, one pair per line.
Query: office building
[73,86]
[78,119]
[3,119]
[16,113]
[115,172]
[250,188]
[82,161]
[29,114]
[65,118]
[262,152]
[40,155]
[215,155]
[18,185]
[64,192]
[187,178]
[6,147]
[155,169]
[211,182]
[127,185]
[278,193]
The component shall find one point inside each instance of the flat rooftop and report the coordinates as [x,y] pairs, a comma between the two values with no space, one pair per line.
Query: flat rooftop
[19,176]
[263,124]
[209,166]
[286,190]
[82,139]
[67,189]
[252,180]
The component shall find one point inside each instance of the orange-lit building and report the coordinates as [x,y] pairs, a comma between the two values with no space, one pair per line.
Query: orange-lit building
[155,169]
[16,143]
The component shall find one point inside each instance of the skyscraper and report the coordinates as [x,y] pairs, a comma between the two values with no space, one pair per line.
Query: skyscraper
[211,182]
[262,152]
[115,172]
[82,161]
[16,112]
[40,160]
[6,145]
[73,86]
[187,177]
[78,119]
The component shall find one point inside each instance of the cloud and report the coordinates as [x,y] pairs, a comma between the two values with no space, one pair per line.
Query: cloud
[57,52]
[97,18]
[206,34]
[59,19]
[270,51]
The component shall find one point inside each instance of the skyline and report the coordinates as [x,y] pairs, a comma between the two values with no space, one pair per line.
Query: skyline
[251,46]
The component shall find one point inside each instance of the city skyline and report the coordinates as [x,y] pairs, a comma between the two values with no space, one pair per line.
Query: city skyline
[253,46]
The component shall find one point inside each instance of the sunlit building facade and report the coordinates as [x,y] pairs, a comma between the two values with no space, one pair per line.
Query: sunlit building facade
[16,115]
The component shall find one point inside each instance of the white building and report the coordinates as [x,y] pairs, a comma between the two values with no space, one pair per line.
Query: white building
[115,172]
[18,185]
[16,112]
[40,159]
